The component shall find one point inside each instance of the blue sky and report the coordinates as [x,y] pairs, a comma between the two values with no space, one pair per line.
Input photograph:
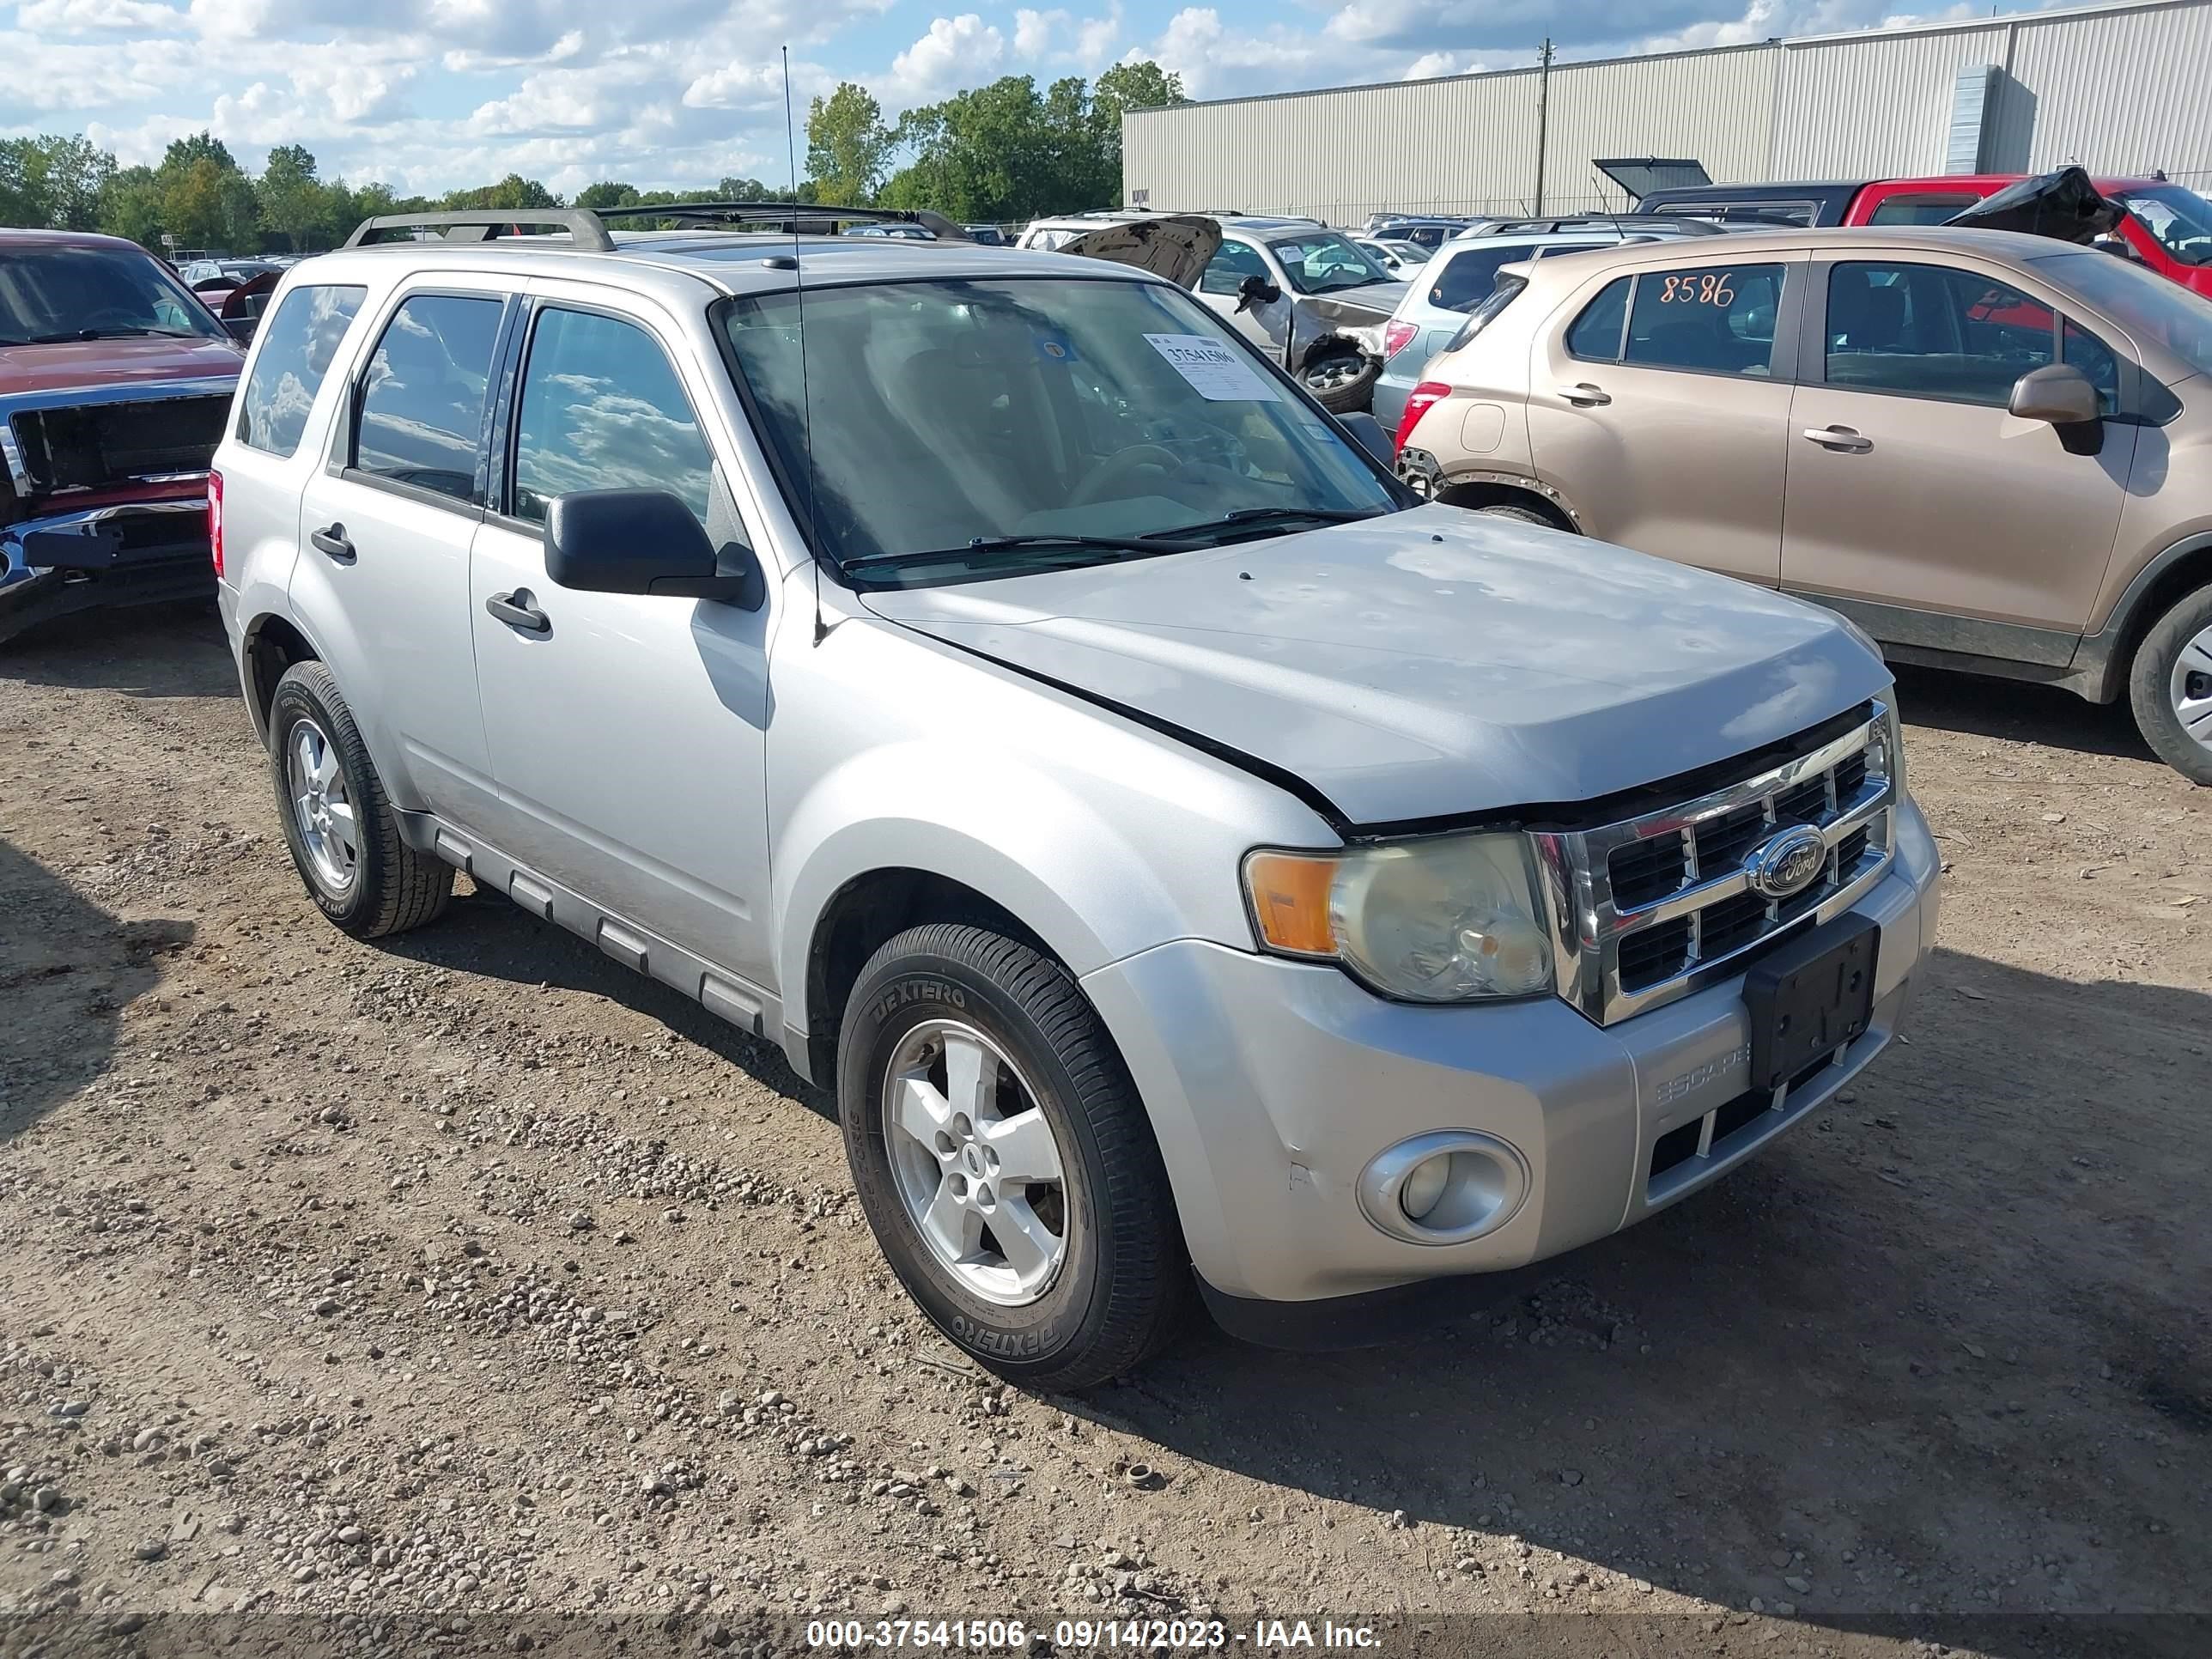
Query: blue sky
[426,95]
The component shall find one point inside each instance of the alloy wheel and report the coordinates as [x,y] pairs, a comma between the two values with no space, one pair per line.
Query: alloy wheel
[322,811]
[976,1163]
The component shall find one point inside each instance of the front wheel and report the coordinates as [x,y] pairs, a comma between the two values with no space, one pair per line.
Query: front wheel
[1004,1161]
[1342,382]
[2170,687]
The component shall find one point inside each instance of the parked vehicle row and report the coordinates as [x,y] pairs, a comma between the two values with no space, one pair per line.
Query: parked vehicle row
[1992,451]
[1116,769]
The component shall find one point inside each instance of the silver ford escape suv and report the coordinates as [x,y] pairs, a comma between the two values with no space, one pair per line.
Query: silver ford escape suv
[1198,868]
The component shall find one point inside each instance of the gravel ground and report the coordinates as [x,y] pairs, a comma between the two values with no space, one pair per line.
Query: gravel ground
[463,1293]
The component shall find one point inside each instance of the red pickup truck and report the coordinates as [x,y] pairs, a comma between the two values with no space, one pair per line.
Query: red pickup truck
[2167,227]
[115,382]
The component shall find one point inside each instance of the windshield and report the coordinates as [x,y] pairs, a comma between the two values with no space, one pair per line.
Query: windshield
[2179,219]
[55,294]
[1325,262]
[947,413]
[2152,308]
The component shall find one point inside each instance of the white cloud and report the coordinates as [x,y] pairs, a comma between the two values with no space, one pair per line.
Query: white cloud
[85,16]
[957,52]
[1060,37]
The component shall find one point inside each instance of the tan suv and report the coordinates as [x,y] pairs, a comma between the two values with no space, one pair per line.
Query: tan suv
[1992,451]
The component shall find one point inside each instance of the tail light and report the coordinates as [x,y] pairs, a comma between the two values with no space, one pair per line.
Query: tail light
[1397,337]
[1418,402]
[214,520]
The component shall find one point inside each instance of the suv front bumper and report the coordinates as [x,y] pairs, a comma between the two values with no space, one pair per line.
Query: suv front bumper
[1272,1084]
[131,553]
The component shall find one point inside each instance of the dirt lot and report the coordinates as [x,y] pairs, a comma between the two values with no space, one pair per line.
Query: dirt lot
[466,1294]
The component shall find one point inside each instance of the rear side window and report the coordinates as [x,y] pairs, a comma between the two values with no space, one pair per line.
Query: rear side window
[1468,275]
[423,408]
[1922,208]
[603,410]
[298,345]
[1715,320]
[1597,333]
[1933,331]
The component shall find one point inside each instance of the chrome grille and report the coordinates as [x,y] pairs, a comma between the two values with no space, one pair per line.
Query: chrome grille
[1650,909]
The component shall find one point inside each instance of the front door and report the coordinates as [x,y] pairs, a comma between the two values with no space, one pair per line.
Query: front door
[1660,410]
[382,575]
[1220,290]
[1941,520]
[627,735]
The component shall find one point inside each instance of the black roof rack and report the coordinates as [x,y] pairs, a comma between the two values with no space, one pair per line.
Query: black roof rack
[481,224]
[587,229]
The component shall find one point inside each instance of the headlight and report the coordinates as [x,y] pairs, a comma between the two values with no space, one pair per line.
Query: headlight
[1441,918]
[1892,741]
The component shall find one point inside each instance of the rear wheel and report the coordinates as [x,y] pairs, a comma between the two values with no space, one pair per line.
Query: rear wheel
[1004,1160]
[1343,382]
[343,834]
[2170,687]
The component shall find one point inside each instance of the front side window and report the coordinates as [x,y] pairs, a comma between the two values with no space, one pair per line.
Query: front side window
[1922,208]
[1463,277]
[1226,271]
[2086,352]
[2153,310]
[602,409]
[964,429]
[1934,331]
[1325,263]
[1717,319]
[2179,221]
[422,400]
[297,347]
[1597,333]
[56,294]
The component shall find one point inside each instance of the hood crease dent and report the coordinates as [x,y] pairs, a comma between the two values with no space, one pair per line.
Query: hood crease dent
[1426,665]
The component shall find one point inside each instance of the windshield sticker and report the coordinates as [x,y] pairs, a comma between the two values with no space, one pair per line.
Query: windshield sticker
[1215,372]
[1054,348]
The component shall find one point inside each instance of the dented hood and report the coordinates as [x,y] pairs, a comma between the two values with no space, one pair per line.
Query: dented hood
[1428,664]
[67,365]
[2064,204]
[1177,248]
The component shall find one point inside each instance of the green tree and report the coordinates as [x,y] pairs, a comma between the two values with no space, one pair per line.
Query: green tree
[607,194]
[1141,84]
[201,146]
[512,192]
[847,145]
[746,189]
[131,205]
[294,202]
[52,182]
[193,204]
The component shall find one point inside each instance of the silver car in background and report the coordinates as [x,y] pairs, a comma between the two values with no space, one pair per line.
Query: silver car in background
[1458,277]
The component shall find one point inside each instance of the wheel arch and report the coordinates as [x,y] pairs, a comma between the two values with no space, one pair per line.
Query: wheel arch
[1503,489]
[271,645]
[2104,660]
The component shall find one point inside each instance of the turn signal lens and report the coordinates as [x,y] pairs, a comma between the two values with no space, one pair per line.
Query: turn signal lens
[1290,900]
[1418,402]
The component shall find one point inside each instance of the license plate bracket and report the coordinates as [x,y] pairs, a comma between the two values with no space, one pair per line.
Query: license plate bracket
[1809,997]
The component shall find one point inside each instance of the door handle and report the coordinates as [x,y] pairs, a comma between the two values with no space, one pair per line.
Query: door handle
[1585,396]
[1839,437]
[332,539]
[520,611]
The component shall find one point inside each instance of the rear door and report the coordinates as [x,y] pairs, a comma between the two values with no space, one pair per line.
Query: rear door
[386,528]
[1657,404]
[627,735]
[1942,520]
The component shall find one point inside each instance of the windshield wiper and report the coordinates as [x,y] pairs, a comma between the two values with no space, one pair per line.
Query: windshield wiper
[1043,541]
[1255,517]
[67,335]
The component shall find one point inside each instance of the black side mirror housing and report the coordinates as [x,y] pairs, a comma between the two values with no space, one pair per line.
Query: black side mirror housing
[1256,290]
[241,328]
[1368,432]
[648,541]
[2112,242]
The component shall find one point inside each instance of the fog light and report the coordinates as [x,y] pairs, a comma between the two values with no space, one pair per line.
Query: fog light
[1419,1192]
[1444,1187]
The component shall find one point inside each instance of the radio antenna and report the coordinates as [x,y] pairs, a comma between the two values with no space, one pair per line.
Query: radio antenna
[805,380]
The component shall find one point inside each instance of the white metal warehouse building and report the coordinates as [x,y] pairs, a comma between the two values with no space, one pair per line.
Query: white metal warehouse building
[2122,89]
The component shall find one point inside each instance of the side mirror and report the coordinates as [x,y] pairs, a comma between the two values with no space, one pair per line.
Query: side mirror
[1368,433]
[1254,291]
[2112,242]
[241,328]
[645,541]
[2057,392]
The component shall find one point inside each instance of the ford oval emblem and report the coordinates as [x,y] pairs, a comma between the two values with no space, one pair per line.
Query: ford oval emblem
[1784,865]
